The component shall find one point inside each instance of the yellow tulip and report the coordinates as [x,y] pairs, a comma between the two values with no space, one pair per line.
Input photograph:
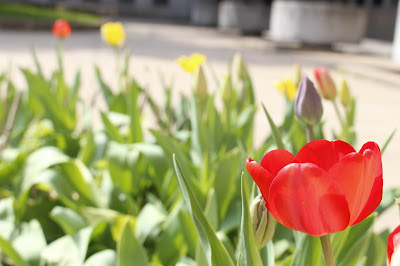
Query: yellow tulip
[113,33]
[286,86]
[191,64]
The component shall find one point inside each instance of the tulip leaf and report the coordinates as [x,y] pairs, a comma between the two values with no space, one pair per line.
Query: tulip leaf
[107,92]
[214,250]
[134,113]
[111,130]
[356,242]
[129,249]
[388,199]
[275,131]
[307,252]
[70,221]
[103,258]
[387,141]
[10,252]
[30,242]
[376,252]
[68,250]
[248,254]
[267,254]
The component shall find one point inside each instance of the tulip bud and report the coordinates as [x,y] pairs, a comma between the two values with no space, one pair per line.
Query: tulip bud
[326,85]
[113,33]
[308,106]
[239,68]
[226,88]
[262,221]
[200,84]
[297,73]
[61,29]
[393,248]
[344,93]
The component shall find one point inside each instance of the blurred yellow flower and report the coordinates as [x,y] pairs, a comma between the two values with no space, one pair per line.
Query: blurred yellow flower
[286,86]
[113,33]
[191,64]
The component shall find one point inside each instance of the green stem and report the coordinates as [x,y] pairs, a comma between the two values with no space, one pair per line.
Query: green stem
[118,66]
[310,133]
[327,250]
[341,120]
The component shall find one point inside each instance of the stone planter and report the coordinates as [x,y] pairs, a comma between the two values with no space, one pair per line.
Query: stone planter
[204,12]
[316,22]
[246,17]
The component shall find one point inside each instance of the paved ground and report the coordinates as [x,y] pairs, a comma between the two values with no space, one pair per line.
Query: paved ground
[373,77]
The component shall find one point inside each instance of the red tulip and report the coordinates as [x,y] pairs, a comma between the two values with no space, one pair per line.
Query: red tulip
[393,246]
[327,187]
[325,82]
[61,29]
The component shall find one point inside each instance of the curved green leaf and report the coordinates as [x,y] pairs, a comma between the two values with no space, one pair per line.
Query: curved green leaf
[214,250]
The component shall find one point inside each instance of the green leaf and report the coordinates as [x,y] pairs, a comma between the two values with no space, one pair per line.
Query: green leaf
[211,210]
[171,147]
[135,125]
[68,250]
[111,130]
[82,181]
[36,61]
[388,199]
[129,250]
[275,131]
[30,242]
[214,250]
[45,100]
[10,252]
[376,252]
[107,92]
[268,254]
[307,251]
[356,243]
[249,254]
[225,183]
[70,221]
[387,141]
[171,244]
[197,130]
[148,221]
[103,258]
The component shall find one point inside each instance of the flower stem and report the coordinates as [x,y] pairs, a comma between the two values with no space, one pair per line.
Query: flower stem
[339,115]
[327,249]
[310,133]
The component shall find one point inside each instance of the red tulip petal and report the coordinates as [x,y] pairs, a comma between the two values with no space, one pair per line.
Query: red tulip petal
[374,200]
[275,160]
[262,178]
[374,161]
[356,174]
[324,153]
[303,197]
[393,241]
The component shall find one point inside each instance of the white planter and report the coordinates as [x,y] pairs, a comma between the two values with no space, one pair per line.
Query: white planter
[250,17]
[204,13]
[316,22]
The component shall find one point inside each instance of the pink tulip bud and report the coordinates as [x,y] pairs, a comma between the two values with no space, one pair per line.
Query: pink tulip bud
[326,85]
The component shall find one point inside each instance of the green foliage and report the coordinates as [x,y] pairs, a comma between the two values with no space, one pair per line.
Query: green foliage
[108,195]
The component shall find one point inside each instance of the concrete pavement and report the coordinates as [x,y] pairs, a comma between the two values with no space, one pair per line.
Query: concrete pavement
[373,78]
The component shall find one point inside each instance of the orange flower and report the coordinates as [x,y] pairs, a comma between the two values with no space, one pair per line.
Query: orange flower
[61,29]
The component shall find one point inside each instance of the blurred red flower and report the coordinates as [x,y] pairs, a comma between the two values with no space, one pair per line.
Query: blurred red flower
[393,246]
[325,82]
[61,29]
[327,187]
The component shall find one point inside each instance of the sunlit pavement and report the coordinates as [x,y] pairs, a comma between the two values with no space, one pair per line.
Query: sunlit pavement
[373,78]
